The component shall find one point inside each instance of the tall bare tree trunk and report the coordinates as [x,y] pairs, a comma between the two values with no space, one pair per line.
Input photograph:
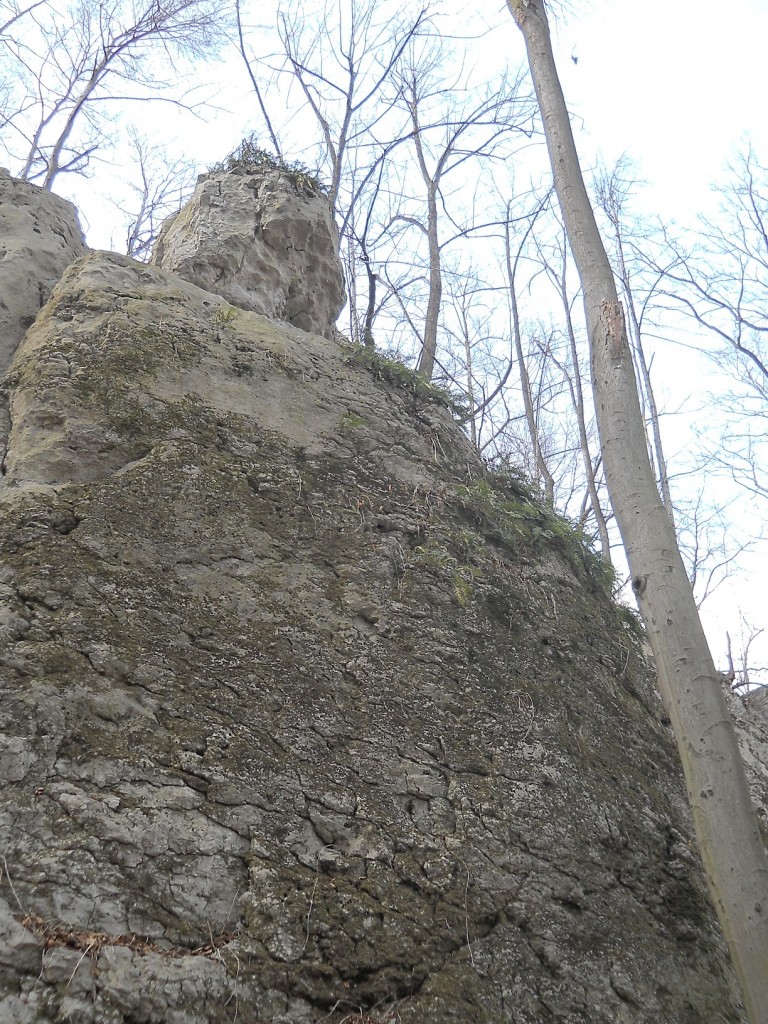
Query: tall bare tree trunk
[610,199]
[426,364]
[577,397]
[542,468]
[645,375]
[726,826]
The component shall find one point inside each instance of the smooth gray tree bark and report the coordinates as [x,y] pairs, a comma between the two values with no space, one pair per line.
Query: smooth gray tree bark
[545,476]
[726,826]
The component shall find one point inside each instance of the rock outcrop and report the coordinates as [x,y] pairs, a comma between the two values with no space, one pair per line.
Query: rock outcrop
[305,718]
[39,237]
[750,717]
[262,241]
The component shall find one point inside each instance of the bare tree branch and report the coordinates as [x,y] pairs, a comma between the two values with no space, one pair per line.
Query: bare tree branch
[68,64]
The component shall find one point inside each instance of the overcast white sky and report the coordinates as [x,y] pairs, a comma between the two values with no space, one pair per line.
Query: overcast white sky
[676,91]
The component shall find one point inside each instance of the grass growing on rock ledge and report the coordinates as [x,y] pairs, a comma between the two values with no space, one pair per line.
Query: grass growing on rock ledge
[504,507]
[398,374]
[501,504]
[249,156]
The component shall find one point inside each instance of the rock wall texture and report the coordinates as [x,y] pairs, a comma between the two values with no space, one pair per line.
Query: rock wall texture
[39,237]
[262,243]
[304,717]
[750,717]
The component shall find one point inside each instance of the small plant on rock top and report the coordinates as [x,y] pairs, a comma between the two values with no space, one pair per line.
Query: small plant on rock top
[249,156]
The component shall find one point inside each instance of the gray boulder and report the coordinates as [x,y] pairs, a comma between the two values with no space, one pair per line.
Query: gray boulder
[39,237]
[303,717]
[262,243]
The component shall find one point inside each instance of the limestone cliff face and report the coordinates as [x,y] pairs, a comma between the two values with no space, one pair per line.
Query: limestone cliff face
[304,718]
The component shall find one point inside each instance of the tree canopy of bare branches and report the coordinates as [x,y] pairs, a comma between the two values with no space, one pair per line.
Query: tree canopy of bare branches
[721,283]
[65,67]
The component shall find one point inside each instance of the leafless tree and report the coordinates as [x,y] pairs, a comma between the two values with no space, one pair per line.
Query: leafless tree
[709,543]
[337,65]
[612,190]
[373,200]
[342,64]
[71,64]
[159,188]
[363,71]
[741,671]
[643,263]
[14,12]
[553,256]
[732,849]
[472,333]
[721,283]
[450,133]
[530,395]
[259,87]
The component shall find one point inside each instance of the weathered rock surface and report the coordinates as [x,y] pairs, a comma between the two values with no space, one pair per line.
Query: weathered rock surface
[39,237]
[750,716]
[757,700]
[303,719]
[262,243]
